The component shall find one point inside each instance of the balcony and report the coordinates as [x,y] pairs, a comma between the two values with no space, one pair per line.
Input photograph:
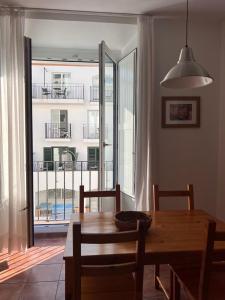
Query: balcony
[56,188]
[58,131]
[90,131]
[49,91]
[94,94]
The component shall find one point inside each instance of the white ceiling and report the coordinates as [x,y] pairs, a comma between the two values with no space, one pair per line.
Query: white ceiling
[209,7]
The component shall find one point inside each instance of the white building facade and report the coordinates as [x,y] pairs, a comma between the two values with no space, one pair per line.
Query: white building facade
[65,136]
[65,111]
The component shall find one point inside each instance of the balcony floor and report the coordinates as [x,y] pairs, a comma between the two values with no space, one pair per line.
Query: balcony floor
[39,274]
[51,222]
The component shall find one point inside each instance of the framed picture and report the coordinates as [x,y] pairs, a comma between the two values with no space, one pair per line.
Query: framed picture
[180,112]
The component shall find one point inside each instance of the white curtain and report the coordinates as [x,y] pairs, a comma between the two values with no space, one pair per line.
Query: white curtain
[143,175]
[13,227]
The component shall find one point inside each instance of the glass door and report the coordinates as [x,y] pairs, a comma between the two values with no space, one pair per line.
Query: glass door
[108,124]
[126,122]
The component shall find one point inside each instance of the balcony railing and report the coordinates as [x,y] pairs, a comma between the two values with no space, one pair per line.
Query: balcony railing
[94,94]
[90,131]
[50,91]
[57,131]
[56,187]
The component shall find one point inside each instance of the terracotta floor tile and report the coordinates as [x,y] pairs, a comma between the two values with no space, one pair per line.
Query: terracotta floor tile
[10,291]
[18,278]
[45,273]
[62,274]
[60,295]
[39,291]
[40,274]
[58,258]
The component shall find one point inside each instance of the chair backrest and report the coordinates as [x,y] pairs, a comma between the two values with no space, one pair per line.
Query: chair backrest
[188,193]
[98,194]
[137,265]
[208,260]
[45,90]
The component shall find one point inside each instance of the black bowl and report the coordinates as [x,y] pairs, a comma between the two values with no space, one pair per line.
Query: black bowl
[127,220]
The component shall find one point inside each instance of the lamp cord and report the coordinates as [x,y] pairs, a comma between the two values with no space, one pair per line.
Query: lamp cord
[187,22]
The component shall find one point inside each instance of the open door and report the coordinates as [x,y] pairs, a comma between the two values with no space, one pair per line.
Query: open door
[108,119]
[117,122]
[29,140]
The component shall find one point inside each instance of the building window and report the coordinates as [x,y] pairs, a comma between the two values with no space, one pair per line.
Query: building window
[56,157]
[59,127]
[93,117]
[93,158]
[59,116]
[60,80]
[92,127]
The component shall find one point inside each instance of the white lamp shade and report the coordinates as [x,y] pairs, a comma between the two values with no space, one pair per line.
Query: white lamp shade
[187,73]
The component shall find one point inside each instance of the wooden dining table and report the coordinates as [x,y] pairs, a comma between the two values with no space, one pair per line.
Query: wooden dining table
[174,237]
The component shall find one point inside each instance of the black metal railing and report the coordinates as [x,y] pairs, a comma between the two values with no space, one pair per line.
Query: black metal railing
[90,131]
[56,187]
[57,130]
[94,94]
[42,166]
[50,91]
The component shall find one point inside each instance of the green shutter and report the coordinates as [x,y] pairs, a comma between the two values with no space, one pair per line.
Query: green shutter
[97,154]
[93,157]
[91,154]
[48,157]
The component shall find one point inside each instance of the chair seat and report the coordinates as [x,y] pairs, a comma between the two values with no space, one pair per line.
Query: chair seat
[118,287]
[189,279]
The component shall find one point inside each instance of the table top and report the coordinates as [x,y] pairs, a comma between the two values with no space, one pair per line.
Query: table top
[174,236]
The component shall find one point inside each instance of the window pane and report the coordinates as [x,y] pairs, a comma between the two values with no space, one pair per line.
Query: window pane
[126,126]
[109,122]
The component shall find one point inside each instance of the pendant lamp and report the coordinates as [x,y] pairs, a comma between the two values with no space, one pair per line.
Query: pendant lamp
[187,73]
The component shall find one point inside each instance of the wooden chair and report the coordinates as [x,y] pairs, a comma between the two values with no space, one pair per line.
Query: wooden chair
[108,281]
[99,194]
[157,194]
[206,282]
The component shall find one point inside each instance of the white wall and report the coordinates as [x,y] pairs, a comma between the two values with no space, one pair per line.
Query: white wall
[130,46]
[75,40]
[78,35]
[220,212]
[188,155]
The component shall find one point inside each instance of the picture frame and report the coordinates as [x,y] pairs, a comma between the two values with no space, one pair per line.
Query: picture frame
[181,112]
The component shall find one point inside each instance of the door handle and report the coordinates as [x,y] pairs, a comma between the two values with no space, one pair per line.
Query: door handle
[105,144]
[25,208]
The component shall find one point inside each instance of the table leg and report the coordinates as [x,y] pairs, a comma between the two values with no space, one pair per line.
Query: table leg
[68,280]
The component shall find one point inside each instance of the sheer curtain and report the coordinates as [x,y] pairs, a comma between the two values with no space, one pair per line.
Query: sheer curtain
[13,231]
[143,176]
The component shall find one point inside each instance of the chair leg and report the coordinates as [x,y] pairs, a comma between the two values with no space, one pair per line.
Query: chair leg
[139,284]
[172,278]
[156,277]
[176,290]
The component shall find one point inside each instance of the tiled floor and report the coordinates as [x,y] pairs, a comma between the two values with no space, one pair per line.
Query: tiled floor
[40,273]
